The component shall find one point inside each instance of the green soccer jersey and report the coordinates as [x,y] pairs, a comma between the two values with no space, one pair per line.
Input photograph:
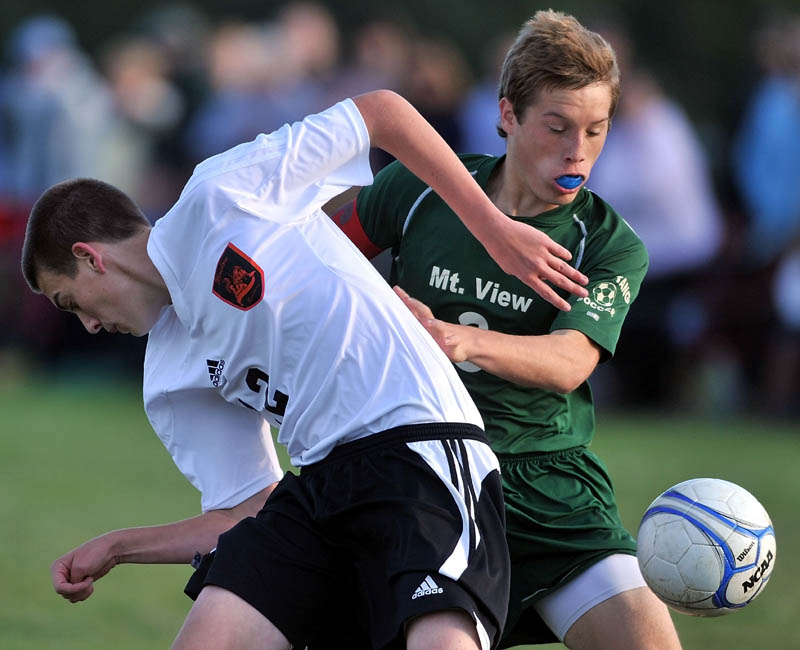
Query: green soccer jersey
[438,261]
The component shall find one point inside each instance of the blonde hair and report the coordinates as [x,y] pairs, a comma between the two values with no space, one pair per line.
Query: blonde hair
[554,51]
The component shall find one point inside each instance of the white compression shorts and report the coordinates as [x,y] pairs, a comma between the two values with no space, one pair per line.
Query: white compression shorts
[610,576]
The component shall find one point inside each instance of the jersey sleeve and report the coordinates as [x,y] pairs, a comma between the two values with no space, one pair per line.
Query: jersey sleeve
[383,207]
[615,265]
[225,451]
[286,175]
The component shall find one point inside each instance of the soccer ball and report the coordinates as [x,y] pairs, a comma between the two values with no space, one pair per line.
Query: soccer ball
[706,547]
[604,294]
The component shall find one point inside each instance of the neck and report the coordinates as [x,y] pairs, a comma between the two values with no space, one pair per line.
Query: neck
[132,258]
[512,195]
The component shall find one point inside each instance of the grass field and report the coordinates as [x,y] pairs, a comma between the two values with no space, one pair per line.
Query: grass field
[78,461]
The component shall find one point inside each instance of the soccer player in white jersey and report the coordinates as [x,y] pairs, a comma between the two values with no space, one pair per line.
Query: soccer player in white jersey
[259,311]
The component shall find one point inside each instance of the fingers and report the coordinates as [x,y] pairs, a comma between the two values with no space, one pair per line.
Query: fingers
[560,275]
[62,574]
[564,270]
[74,592]
[559,251]
[570,282]
[420,310]
[547,293]
[401,292]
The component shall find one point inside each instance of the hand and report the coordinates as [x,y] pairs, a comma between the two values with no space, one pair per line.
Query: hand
[449,337]
[534,258]
[75,573]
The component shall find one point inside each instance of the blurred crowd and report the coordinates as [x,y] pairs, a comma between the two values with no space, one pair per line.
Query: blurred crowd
[717,325]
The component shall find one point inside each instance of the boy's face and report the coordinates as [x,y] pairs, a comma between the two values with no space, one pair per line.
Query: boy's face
[561,133]
[101,297]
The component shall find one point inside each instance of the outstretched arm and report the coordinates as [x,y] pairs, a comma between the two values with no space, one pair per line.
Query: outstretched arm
[395,126]
[75,573]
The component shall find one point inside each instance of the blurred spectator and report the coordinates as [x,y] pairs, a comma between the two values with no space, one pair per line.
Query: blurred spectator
[480,111]
[59,109]
[780,389]
[655,172]
[310,51]
[181,33]
[262,76]
[381,57]
[437,83]
[766,169]
[60,122]
[152,109]
[247,75]
[766,152]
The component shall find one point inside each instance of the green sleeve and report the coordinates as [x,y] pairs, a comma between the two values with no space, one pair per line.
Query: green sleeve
[615,265]
[382,207]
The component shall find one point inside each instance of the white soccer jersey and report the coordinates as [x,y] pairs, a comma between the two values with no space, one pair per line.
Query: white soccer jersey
[275,313]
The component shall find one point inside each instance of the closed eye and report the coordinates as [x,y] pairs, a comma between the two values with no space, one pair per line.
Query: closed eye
[69,306]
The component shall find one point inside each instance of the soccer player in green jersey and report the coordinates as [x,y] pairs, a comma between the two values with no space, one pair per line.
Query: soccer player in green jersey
[526,363]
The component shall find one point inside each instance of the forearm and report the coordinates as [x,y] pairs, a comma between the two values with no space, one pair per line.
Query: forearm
[75,573]
[559,361]
[395,126]
[178,542]
[174,543]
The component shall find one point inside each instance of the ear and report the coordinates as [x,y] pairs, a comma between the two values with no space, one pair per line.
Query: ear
[508,120]
[89,254]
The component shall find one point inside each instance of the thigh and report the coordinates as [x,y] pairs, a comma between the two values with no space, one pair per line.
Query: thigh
[613,575]
[631,620]
[220,619]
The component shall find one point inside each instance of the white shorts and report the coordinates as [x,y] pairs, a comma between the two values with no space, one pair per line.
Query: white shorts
[608,577]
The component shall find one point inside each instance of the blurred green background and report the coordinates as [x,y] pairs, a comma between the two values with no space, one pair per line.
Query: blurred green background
[78,459]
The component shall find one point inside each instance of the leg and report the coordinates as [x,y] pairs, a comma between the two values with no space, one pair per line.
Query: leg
[219,619]
[446,630]
[632,620]
[609,606]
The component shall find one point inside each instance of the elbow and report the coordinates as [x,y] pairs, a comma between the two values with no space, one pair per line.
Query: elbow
[566,387]
[568,381]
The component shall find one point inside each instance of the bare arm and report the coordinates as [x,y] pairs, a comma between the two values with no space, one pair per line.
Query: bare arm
[395,126]
[74,573]
[560,361]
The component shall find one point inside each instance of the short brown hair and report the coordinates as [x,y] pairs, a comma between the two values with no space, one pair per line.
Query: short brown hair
[82,209]
[553,50]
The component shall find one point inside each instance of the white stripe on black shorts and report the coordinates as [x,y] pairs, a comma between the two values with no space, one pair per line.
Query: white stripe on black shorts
[387,528]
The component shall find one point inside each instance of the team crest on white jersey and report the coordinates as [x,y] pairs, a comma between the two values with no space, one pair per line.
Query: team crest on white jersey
[238,280]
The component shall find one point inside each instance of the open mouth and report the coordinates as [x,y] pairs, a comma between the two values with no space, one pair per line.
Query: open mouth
[569,181]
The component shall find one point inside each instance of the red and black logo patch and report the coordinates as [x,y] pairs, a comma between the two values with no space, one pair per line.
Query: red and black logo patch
[238,280]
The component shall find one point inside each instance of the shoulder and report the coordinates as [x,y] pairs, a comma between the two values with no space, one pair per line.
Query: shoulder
[606,220]
[475,161]
[609,236]
[397,172]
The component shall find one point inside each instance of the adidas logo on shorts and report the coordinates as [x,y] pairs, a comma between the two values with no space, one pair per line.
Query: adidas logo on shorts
[215,368]
[427,588]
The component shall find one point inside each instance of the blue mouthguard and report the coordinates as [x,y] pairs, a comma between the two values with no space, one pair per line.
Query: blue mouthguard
[569,181]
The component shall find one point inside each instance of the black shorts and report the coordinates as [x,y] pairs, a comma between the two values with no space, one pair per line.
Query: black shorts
[402,523]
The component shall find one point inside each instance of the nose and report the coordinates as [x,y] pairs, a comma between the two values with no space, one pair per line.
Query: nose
[92,325]
[576,148]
